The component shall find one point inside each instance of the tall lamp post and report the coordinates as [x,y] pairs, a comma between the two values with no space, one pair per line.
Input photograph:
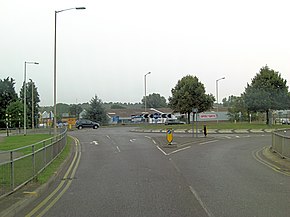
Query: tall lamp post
[24,113]
[217,95]
[145,100]
[32,105]
[54,74]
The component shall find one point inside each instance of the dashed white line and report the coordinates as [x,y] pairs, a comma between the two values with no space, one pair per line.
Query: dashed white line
[108,136]
[118,149]
[212,141]
[208,212]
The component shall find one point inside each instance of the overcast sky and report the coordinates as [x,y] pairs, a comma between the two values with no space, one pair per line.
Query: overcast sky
[108,48]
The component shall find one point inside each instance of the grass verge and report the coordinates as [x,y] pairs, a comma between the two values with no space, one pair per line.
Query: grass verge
[49,171]
[13,142]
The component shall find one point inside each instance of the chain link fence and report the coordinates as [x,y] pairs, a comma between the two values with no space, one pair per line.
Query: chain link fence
[19,166]
[281,142]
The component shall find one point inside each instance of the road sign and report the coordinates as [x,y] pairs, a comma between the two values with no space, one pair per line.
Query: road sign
[169,135]
[208,116]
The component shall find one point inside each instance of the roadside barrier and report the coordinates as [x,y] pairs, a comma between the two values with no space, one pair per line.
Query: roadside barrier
[21,165]
[281,143]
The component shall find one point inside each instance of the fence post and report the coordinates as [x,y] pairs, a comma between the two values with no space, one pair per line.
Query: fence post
[282,147]
[12,171]
[33,159]
[44,151]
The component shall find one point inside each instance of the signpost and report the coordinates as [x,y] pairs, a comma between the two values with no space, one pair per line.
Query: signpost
[194,111]
[169,136]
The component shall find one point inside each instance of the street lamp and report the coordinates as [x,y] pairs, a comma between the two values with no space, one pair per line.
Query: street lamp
[32,105]
[217,94]
[24,113]
[145,101]
[54,86]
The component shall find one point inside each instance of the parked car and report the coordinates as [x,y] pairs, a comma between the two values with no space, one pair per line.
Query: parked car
[173,121]
[83,123]
[285,121]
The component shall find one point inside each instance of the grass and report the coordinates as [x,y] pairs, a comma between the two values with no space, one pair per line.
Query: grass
[45,175]
[23,168]
[18,141]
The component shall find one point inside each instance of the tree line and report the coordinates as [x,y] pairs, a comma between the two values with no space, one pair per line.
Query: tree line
[12,105]
[267,91]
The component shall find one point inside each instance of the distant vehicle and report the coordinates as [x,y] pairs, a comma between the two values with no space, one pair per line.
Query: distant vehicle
[83,123]
[285,121]
[173,122]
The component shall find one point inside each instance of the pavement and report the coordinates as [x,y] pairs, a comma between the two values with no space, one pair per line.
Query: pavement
[15,202]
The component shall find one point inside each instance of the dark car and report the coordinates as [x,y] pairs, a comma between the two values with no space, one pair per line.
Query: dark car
[83,123]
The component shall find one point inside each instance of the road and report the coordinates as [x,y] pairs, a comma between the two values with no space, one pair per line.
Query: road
[127,174]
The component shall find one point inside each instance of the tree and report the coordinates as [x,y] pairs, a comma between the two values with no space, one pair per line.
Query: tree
[268,91]
[189,93]
[237,108]
[7,95]
[154,100]
[117,106]
[75,110]
[31,91]
[15,111]
[230,101]
[96,111]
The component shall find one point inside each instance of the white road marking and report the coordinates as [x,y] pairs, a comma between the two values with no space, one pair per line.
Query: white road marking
[108,137]
[95,143]
[175,166]
[212,141]
[154,141]
[208,212]
[178,150]
[228,137]
[118,149]
[132,140]
[160,149]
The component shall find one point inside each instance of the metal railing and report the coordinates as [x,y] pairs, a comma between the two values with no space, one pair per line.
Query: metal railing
[21,165]
[281,142]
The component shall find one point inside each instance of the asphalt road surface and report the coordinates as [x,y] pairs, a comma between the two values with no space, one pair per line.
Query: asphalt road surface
[125,174]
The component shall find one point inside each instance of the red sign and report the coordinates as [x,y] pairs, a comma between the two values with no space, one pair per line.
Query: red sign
[207,116]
